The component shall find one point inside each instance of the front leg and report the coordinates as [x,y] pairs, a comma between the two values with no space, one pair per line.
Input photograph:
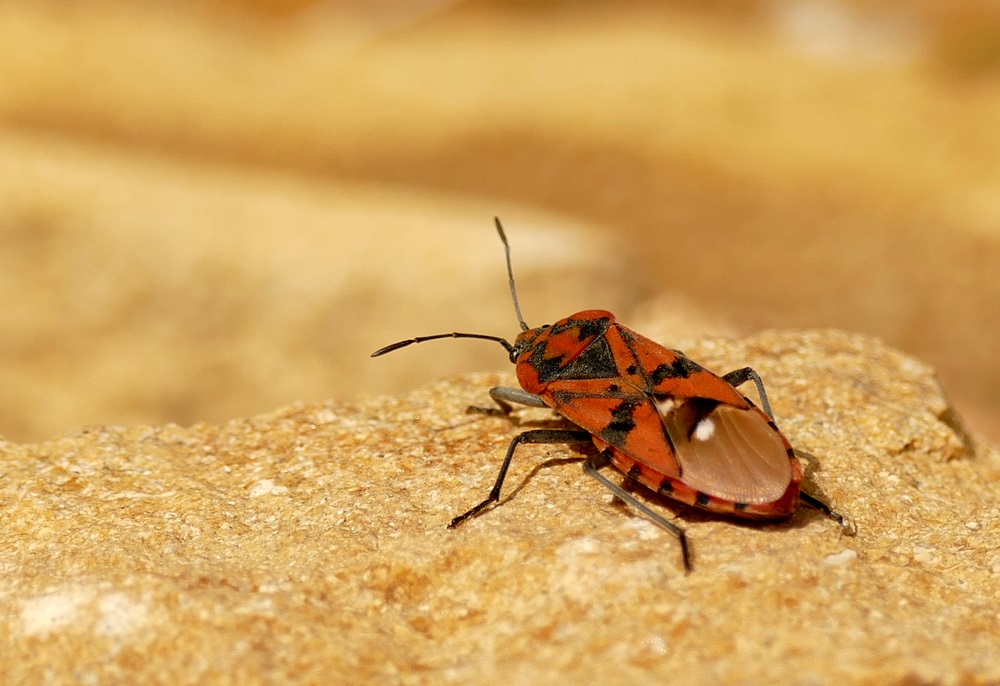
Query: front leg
[507,396]
[534,436]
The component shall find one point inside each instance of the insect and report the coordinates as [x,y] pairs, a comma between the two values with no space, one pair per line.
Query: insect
[664,421]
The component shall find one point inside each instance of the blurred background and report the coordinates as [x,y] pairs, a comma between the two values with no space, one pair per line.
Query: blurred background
[210,209]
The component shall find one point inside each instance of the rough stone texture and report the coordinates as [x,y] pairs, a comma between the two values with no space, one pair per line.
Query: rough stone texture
[309,545]
[185,186]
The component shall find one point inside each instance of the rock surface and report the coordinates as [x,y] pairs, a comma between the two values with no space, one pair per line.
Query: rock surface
[180,237]
[310,545]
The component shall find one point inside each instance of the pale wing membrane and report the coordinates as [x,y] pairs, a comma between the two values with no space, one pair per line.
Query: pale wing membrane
[728,452]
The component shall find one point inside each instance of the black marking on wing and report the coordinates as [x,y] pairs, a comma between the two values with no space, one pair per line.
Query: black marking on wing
[595,362]
[592,327]
[681,368]
[622,423]
[586,328]
[548,368]
[563,397]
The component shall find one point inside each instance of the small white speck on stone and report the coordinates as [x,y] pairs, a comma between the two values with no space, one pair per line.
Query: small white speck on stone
[972,525]
[43,614]
[578,546]
[843,557]
[912,366]
[324,416]
[262,487]
[120,615]
[644,529]
[266,487]
[658,644]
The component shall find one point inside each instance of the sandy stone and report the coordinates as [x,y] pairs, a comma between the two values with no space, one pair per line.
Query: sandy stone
[310,545]
[198,178]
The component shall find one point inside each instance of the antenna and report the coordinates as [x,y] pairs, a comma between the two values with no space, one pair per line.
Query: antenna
[457,334]
[510,274]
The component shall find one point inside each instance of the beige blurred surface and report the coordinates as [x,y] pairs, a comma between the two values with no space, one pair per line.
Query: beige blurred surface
[171,174]
[137,286]
[309,546]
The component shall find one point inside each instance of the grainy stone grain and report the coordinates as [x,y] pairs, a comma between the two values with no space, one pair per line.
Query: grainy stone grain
[310,545]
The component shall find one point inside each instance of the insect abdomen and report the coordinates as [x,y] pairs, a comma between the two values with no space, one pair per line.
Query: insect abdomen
[676,489]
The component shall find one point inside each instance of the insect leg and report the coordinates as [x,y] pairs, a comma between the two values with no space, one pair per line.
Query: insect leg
[534,436]
[846,524]
[741,376]
[591,467]
[505,397]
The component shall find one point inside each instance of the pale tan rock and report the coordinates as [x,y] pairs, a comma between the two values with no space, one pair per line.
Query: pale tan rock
[770,185]
[309,546]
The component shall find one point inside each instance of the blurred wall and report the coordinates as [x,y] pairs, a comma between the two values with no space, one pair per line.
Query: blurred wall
[210,209]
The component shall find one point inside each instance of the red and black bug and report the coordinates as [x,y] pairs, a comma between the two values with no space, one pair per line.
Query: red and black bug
[661,419]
